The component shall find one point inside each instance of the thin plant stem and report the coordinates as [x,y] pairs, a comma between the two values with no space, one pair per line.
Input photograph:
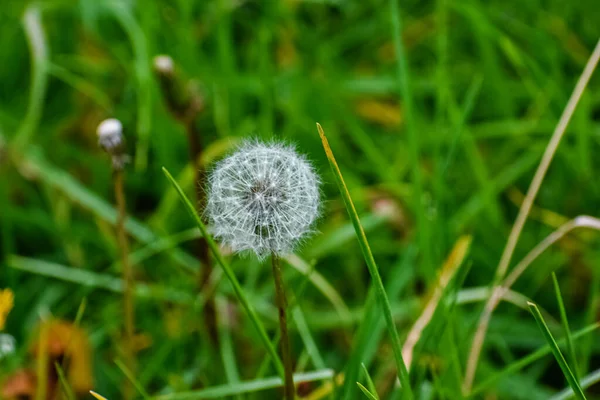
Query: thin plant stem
[517,228]
[185,103]
[128,282]
[286,354]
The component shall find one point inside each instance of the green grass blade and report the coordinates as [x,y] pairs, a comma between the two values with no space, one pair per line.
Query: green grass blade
[373,270]
[60,180]
[67,390]
[222,391]
[96,280]
[528,360]
[226,342]
[143,74]
[129,375]
[587,381]
[36,39]
[370,383]
[309,342]
[403,75]
[556,351]
[319,283]
[230,275]
[370,330]
[565,323]
[366,391]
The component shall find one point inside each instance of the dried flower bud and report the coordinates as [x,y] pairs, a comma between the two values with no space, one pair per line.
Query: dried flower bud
[182,96]
[110,134]
[263,198]
[110,138]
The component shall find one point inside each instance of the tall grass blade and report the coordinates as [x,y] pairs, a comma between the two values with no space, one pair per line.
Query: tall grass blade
[230,275]
[565,324]
[129,375]
[556,351]
[371,265]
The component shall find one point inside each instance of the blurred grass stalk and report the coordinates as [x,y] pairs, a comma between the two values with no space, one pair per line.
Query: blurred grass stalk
[517,228]
[185,103]
[36,39]
[128,305]
[111,140]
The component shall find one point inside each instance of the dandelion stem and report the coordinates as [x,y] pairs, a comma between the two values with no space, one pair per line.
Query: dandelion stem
[128,308]
[286,355]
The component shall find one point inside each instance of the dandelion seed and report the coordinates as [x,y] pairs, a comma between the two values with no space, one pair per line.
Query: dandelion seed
[263,198]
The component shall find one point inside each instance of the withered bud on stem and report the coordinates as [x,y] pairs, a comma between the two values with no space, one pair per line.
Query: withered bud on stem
[110,138]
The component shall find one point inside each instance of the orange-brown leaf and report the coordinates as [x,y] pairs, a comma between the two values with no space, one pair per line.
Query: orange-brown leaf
[69,343]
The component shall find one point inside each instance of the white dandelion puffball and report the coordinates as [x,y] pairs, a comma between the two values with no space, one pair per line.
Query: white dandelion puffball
[263,198]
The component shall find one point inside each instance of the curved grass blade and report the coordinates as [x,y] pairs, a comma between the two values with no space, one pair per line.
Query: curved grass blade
[230,275]
[36,39]
[373,270]
[556,351]
[232,389]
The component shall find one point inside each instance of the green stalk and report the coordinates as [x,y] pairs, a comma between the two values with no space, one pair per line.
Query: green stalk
[556,351]
[371,265]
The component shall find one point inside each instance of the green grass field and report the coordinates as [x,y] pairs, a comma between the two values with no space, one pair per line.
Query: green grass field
[443,117]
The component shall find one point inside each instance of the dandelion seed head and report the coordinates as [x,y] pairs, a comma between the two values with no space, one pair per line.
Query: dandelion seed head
[263,198]
[110,134]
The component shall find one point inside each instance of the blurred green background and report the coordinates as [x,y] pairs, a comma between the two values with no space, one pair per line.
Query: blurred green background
[484,86]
